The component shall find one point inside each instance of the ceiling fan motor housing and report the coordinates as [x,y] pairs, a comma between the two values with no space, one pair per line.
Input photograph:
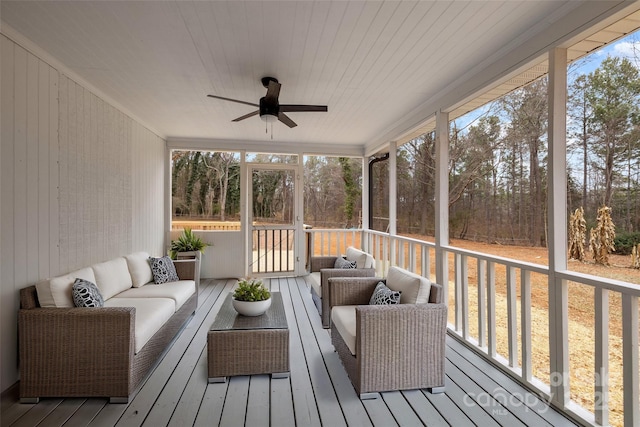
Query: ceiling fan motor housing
[269,110]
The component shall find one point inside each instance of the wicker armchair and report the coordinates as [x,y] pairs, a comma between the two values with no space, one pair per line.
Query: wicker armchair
[324,265]
[397,347]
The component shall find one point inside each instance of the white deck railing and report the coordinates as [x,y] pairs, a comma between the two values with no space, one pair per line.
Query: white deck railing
[491,310]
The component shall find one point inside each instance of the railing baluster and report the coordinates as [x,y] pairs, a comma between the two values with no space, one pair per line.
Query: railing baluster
[512,318]
[630,360]
[601,401]
[525,325]
[259,251]
[482,301]
[464,290]
[458,280]
[491,308]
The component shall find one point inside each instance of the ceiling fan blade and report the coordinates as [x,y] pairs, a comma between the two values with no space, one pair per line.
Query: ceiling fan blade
[273,91]
[233,100]
[246,116]
[292,108]
[286,120]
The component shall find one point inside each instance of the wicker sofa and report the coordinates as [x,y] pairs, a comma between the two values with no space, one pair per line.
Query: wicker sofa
[66,351]
[322,269]
[390,347]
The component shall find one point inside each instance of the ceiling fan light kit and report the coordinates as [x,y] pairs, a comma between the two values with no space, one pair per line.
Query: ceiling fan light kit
[269,107]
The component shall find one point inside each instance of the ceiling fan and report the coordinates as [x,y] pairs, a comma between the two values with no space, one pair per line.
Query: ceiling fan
[269,108]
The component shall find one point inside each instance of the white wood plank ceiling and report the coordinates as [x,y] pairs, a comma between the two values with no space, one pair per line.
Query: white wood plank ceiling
[373,63]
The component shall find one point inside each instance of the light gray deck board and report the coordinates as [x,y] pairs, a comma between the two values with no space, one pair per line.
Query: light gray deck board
[318,391]
[304,401]
[428,414]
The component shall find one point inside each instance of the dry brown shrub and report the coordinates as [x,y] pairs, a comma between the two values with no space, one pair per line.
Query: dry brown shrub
[602,236]
[577,235]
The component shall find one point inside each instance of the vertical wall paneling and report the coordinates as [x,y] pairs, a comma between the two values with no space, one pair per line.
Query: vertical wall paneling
[80,183]
[32,167]
[7,254]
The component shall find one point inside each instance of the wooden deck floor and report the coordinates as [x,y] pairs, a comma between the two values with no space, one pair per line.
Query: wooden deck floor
[318,392]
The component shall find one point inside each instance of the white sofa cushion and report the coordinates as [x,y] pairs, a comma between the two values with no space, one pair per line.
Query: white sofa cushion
[112,277]
[415,289]
[179,292]
[56,292]
[362,259]
[343,318]
[139,268]
[151,315]
[315,282]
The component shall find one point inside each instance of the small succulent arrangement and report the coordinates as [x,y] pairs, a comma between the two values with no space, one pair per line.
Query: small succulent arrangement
[187,242]
[251,290]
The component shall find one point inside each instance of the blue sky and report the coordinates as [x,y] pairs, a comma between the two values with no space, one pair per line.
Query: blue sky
[627,47]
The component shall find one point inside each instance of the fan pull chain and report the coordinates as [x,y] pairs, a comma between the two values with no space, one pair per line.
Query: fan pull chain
[272,131]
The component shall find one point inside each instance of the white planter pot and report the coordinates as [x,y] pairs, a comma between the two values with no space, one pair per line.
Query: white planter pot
[251,308]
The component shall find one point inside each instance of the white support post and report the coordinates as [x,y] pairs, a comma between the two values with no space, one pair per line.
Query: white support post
[365,201]
[393,198]
[442,201]
[630,360]
[557,223]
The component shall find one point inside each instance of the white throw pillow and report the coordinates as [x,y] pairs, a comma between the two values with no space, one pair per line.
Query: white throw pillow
[56,292]
[139,268]
[362,259]
[112,277]
[415,289]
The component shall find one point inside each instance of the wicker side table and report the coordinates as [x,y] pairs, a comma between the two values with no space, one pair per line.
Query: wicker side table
[241,345]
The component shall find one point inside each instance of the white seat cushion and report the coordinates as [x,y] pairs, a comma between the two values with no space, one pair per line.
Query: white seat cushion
[179,291]
[315,282]
[415,289]
[343,318]
[151,315]
[112,277]
[139,268]
[56,292]
[362,259]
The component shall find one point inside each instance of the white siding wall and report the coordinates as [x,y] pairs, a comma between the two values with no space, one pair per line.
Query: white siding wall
[80,182]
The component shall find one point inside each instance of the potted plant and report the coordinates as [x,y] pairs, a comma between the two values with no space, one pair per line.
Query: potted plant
[188,246]
[251,297]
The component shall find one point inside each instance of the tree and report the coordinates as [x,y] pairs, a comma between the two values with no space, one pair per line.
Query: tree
[613,92]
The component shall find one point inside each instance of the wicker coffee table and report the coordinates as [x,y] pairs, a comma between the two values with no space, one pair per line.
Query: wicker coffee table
[241,345]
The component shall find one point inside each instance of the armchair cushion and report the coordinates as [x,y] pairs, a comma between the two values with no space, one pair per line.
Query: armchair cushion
[343,318]
[415,289]
[382,295]
[362,259]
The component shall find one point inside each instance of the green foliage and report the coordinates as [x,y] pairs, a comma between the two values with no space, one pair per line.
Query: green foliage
[351,188]
[624,242]
[187,242]
[251,290]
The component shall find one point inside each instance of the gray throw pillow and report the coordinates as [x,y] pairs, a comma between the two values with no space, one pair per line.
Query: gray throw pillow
[343,263]
[382,295]
[163,270]
[86,294]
